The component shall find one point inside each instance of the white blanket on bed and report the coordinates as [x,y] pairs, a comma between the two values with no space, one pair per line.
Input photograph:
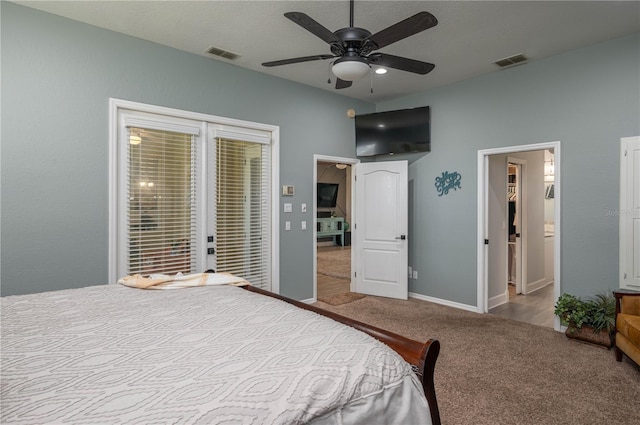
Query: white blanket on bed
[205,355]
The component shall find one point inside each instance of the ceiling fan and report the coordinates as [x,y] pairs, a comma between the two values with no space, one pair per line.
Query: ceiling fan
[354,47]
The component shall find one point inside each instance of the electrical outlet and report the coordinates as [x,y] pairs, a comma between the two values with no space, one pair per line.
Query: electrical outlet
[287,225]
[415,274]
[303,225]
[410,274]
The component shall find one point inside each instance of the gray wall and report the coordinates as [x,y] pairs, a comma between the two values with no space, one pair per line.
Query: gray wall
[57,77]
[587,99]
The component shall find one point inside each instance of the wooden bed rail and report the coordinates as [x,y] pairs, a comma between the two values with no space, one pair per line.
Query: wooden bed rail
[422,356]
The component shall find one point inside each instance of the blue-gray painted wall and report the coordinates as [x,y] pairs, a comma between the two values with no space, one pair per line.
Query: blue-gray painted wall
[587,99]
[57,77]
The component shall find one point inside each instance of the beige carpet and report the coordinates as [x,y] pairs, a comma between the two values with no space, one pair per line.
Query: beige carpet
[339,299]
[495,371]
[334,262]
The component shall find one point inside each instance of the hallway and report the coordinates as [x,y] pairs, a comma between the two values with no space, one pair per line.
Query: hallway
[535,308]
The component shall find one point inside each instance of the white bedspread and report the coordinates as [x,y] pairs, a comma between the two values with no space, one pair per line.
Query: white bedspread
[206,355]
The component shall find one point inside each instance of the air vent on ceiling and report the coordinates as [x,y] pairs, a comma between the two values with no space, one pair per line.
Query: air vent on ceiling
[222,53]
[511,60]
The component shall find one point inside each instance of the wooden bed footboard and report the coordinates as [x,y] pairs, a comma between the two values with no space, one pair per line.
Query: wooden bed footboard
[422,356]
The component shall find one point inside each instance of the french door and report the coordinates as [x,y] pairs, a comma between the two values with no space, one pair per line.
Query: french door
[191,195]
[239,221]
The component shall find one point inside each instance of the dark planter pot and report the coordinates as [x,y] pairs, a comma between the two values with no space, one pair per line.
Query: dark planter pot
[587,334]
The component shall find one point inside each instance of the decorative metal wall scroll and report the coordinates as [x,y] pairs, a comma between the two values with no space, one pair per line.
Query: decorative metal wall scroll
[448,181]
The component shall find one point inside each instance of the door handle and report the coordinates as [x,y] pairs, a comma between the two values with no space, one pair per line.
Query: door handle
[517,235]
[401,237]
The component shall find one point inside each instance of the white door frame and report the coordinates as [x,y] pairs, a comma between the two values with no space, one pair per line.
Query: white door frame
[482,224]
[336,160]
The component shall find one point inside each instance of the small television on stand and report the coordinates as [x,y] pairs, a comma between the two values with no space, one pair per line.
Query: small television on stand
[327,195]
[393,132]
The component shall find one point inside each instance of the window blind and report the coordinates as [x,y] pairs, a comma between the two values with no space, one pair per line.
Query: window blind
[161,209]
[242,210]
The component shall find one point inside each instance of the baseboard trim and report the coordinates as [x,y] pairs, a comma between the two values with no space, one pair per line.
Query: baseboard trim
[448,303]
[308,301]
[499,300]
[538,284]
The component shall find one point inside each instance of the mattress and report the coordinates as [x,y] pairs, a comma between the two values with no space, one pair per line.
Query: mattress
[205,355]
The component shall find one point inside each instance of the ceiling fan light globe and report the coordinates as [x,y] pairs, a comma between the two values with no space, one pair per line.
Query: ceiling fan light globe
[350,70]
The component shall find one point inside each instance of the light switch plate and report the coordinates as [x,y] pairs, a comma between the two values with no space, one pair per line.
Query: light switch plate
[287,207]
[303,208]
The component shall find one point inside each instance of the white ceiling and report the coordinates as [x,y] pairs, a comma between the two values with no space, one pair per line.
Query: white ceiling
[469,37]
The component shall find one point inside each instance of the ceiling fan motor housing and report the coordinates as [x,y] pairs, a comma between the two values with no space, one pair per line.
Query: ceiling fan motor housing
[352,39]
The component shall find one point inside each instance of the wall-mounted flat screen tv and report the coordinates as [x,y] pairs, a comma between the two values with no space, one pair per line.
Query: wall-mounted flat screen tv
[327,195]
[392,132]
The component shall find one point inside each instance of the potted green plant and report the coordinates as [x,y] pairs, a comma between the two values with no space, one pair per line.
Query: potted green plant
[591,320]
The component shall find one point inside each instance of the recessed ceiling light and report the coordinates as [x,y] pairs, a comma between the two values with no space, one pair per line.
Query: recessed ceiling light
[381,71]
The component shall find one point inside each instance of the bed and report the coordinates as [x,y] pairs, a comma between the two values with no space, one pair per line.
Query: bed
[204,355]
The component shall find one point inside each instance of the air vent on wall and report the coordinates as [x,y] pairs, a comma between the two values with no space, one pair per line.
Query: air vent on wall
[222,53]
[512,60]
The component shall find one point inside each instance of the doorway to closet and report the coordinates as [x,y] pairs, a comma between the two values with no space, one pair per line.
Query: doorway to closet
[518,260]
[514,224]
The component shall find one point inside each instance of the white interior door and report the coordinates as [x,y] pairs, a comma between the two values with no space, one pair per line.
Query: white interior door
[381,226]
[630,213]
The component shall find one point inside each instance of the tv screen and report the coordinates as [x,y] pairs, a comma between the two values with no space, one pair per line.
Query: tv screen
[391,132]
[327,195]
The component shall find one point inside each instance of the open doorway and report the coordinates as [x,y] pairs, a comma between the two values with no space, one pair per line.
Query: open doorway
[516,216]
[333,187]
[519,232]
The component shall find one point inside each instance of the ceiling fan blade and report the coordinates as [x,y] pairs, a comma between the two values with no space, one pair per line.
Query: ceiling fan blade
[312,26]
[342,84]
[403,64]
[298,60]
[403,29]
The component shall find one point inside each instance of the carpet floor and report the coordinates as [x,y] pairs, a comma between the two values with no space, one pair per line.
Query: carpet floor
[339,299]
[493,370]
[334,261]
